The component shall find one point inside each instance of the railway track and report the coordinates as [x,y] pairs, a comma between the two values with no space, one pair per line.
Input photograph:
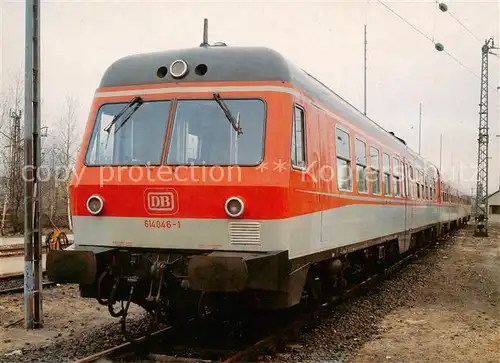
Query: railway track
[148,353]
[18,250]
[15,251]
[14,283]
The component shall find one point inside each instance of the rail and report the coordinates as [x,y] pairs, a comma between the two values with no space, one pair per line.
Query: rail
[12,251]
[18,277]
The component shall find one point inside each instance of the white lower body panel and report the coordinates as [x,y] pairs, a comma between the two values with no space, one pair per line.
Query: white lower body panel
[300,235]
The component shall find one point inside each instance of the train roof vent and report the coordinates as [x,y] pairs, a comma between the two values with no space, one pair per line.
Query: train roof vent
[219,44]
[400,139]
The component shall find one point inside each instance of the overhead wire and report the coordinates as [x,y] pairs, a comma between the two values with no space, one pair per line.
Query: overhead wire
[467,29]
[463,26]
[432,41]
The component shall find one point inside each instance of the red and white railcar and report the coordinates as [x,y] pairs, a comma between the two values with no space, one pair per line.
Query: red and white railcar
[228,170]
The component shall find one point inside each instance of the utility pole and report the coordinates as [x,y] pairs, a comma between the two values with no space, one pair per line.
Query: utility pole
[452,167]
[440,153]
[483,141]
[499,165]
[419,128]
[364,72]
[33,314]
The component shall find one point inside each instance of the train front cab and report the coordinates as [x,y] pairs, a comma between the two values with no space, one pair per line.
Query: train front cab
[219,256]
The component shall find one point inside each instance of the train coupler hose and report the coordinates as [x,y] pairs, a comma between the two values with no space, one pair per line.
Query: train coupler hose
[152,324]
[112,301]
[100,300]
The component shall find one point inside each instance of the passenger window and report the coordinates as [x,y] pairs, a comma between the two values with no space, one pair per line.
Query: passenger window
[387,173]
[426,188]
[417,177]
[411,183]
[375,170]
[404,170]
[298,139]
[361,177]
[343,149]
[397,177]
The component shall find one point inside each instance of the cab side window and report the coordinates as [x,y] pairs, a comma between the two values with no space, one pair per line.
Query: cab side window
[298,152]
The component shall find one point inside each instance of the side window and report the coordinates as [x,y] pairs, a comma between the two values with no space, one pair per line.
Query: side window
[397,177]
[387,174]
[375,170]
[426,188]
[411,184]
[417,178]
[422,185]
[343,149]
[361,176]
[404,169]
[298,152]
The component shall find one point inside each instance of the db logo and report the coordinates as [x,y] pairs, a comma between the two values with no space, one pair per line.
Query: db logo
[161,201]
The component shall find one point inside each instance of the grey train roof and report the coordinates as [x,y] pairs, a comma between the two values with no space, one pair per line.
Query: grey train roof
[241,64]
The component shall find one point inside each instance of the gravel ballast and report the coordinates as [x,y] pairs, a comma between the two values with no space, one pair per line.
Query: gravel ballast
[443,307]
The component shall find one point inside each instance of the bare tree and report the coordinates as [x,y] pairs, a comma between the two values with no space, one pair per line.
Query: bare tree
[62,157]
[11,151]
[58,155]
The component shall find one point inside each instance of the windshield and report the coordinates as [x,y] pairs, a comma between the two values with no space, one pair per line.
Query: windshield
[202,134]
[138,141]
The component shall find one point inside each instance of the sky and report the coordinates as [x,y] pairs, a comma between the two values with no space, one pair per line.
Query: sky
[80,39]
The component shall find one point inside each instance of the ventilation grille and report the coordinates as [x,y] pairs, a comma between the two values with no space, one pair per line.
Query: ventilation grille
[244,233]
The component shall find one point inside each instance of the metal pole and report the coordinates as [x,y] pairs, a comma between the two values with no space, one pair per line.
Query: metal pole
[364,87]
[440,152]
[419,128]
[28,168]
[482,209]
[452,167]
[499,169]
[37,238]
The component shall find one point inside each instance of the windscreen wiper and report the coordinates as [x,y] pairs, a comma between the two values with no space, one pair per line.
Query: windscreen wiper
[137,102]
[229,115]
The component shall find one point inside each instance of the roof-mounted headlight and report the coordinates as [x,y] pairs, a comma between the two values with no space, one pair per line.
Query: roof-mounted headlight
[178,68]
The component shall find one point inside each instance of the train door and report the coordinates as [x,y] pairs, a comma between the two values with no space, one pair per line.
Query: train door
[408,208]
[405,191]
[315,162]
[324,174]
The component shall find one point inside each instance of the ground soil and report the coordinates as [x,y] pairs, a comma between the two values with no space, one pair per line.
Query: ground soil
[73,327]
[64,313]
[455,318]
[443,307]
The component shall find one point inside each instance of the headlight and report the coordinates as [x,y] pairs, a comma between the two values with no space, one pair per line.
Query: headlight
[234,207]
[95,204]
[178,68]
